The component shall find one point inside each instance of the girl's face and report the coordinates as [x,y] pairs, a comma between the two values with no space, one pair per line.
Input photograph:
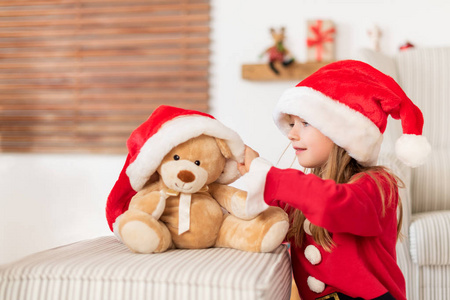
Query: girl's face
[312,148]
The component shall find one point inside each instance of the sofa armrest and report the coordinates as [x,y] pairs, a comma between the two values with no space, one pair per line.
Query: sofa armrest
[429,235]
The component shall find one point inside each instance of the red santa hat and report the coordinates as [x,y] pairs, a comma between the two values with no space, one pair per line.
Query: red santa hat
[349,102]
[148,144]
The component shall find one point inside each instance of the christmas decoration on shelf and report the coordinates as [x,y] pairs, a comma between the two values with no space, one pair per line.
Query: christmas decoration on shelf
[320,40]
[277,52]
[375,34]
[281,63]
[406,46]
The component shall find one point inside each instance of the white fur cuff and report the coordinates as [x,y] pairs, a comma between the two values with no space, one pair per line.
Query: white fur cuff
[256,180]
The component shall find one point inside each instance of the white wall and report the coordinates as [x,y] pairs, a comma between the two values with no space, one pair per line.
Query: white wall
[50,200]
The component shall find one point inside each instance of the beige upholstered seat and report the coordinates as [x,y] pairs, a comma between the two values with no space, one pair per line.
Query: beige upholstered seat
[104,269]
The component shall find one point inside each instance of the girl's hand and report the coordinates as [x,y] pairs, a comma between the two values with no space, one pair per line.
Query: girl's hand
[249,156]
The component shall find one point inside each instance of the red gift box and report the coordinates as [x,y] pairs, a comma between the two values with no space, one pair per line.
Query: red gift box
[320,40]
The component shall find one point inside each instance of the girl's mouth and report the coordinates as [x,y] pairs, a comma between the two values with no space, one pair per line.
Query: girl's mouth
[299,150]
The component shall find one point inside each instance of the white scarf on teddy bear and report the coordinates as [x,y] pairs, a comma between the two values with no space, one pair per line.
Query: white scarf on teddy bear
[184,208]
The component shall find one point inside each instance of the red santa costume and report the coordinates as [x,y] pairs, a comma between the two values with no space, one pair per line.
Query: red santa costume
[349,102]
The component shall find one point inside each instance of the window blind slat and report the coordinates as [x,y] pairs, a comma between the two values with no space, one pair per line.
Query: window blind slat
[70,8]
[93,32]
[108,42]
[9,3]
[117,21]
[187,85]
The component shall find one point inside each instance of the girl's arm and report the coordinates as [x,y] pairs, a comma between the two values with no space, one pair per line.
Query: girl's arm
[354,208]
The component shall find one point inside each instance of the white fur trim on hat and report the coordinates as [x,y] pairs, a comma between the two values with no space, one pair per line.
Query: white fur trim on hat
[346,127]
[175,132]
[230,172]
[412,149]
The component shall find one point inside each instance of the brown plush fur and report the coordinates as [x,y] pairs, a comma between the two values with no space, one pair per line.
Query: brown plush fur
[217,212]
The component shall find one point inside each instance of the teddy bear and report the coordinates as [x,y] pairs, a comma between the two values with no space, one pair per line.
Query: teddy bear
[174,192]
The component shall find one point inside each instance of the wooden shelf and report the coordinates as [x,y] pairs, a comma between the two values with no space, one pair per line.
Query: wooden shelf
[295,71]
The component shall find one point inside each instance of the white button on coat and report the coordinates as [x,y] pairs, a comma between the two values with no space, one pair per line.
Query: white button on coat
[306,224]
[313,255]
[315,285]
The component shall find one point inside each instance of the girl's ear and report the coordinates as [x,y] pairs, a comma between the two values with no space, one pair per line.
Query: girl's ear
[223,146]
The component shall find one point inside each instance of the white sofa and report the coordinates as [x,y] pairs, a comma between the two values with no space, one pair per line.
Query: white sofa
[424,253]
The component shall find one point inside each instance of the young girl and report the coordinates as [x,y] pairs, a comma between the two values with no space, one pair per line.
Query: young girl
[343,213]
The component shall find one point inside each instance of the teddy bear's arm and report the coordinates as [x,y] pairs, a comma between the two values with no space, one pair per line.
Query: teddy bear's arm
[151,203]
[230,198]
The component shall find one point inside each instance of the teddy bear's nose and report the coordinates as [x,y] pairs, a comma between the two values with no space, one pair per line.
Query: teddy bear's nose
[186,176]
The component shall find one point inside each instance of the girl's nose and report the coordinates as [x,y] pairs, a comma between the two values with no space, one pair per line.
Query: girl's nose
[293,134]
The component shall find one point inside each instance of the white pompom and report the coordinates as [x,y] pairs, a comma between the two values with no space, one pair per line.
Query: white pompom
[306,227]
[313,255]
[315,285]
[412,149]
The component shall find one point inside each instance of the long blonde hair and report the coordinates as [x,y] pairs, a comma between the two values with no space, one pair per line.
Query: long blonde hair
[342,168]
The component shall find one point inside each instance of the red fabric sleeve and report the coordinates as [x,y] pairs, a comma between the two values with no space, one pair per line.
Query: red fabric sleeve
[354,208]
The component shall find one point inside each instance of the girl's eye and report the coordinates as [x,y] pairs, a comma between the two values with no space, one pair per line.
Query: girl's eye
[197,162]
[176,157]
[291,125]
[305,124]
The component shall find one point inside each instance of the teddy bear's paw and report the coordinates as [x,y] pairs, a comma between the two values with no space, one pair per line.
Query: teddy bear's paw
[274,236]
[139,237]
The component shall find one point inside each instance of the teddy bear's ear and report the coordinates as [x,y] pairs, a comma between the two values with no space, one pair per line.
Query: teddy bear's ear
[153,178]
[223,146]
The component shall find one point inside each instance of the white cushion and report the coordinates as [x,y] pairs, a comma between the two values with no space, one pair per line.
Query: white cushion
[430,183]
[104,269]
[429,235]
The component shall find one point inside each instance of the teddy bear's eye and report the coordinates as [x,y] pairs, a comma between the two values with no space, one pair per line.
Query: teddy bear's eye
[176,157]
[197,162]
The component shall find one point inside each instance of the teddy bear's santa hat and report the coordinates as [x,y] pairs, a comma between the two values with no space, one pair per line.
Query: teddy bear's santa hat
[148,144]
[349,101]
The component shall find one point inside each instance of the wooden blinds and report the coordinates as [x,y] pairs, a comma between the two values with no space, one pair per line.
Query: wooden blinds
[80,75]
